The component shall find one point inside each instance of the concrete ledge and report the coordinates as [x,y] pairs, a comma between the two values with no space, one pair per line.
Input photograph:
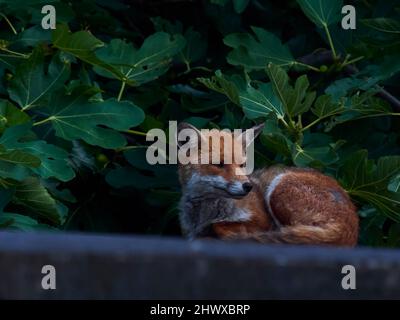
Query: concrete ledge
[119,267]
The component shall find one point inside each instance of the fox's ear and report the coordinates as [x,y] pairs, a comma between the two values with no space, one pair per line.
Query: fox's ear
[257,129]
[193,130]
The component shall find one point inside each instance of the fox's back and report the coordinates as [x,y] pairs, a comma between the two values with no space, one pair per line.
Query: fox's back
[307,197]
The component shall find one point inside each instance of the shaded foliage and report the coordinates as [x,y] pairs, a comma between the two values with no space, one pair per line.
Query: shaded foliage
[76,103]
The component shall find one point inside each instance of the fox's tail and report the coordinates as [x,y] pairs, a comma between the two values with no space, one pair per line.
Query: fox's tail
[302,234]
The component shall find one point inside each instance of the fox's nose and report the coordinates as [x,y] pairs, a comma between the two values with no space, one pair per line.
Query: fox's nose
[247,187]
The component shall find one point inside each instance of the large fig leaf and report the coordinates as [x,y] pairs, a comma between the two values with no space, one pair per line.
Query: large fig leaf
[73,117]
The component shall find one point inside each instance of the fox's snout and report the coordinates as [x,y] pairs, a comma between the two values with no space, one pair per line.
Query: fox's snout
[239,188]
[247,186]
[218,185]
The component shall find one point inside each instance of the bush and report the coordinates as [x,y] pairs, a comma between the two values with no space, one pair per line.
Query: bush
[76,103]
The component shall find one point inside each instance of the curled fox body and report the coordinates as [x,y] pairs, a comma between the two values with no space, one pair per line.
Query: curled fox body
[272,205]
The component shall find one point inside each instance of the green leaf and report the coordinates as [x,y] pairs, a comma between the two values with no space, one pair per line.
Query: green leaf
[260,102]
[5,197]
[394,235]
[140,65]
[198,122]
[274,139]
[18,4]
[324,107]
[196,46]
[33,36]
[386,25]
[255,53]
[369,181]
[15,163]
[16,221]
[343,86]
[162,176]
[310,157]
[240,5]
[280,82]
[32,83]
[82,45]
[318,150]
[31,195]
[73,117]
[13,171]
[394,184]
[371,232]
[366,79]
[355,169]
[360,106]
[256,103]
[10,115]
[17,157]
[203,103]
[387,171]
[223,85]
[322,12]
[48,160]
[295,101]
[299,101]
[54,160]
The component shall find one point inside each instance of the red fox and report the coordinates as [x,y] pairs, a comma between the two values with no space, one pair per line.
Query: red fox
[272,205]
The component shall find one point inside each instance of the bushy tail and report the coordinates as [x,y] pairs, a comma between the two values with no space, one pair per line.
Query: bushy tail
[301,234]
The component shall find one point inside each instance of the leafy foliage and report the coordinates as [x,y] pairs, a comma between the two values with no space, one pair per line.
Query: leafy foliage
[76,103]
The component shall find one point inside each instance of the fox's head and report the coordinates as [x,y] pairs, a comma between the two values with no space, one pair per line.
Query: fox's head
[215,161]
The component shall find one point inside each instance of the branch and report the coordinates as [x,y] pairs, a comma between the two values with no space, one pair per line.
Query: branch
[325,57]
[317,58]
[390,98]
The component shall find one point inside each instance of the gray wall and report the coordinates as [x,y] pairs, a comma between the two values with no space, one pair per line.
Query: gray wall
[119,267]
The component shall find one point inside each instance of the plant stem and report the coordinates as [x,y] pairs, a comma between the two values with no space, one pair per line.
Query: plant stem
[346,63]
[121,91]
[43,121]
[319,120]
[187,71]
[22,55]
[122,149]
[307,66]
[328,34]
[186,62]
[202,69]
[311,124]
[138,133]
[143,134]
[9,23]
[11,56]
[394,114]
[284,122]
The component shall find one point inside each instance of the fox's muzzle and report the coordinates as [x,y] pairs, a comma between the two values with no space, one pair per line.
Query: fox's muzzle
[239,189]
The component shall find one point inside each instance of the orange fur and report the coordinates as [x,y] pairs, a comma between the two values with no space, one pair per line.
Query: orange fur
[311,207]
[260,221]
[286,205]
